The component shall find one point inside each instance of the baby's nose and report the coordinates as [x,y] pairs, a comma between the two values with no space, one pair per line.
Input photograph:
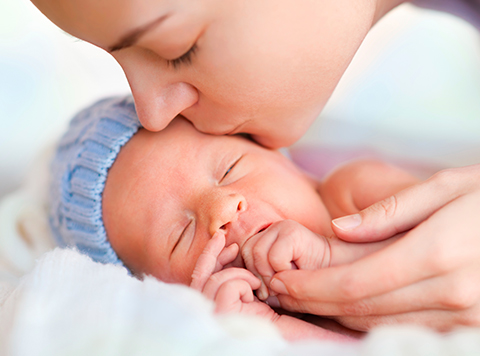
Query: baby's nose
[224,212]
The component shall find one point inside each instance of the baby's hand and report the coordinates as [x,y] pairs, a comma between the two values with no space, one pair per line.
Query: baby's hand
[284,245]
[213,258]
[232,291]
[231,288]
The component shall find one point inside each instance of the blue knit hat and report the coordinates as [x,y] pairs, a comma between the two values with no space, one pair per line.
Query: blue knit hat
[79,171]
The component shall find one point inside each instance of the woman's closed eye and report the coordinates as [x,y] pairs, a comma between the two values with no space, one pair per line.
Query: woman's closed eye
[185,58]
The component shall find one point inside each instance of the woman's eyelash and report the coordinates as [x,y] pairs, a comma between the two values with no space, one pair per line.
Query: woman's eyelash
[185,58]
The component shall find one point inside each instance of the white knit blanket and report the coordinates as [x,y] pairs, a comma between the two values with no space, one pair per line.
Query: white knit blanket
[59,302]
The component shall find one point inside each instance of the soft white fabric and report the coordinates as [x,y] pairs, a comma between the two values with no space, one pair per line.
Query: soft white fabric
[24,231]
[69,305]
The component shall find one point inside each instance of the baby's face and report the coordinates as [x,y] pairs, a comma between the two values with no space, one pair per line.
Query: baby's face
[262,67]
[169,192]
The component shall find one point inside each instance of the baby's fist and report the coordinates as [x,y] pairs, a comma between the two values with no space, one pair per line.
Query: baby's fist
[283,246]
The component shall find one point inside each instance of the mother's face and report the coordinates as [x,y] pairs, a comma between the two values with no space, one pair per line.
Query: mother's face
[261,67]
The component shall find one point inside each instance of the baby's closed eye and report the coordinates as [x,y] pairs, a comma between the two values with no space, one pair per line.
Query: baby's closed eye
[230,168]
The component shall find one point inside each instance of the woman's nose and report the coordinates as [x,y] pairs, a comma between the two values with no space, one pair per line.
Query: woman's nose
[157,107]
[159,98]
[224,211]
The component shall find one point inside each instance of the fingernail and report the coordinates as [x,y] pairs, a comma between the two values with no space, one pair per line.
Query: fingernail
[348,222]
[273,302]
[218,233]
[261,294]
[278,286]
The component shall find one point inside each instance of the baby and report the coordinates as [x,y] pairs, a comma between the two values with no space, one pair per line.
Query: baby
[153,201]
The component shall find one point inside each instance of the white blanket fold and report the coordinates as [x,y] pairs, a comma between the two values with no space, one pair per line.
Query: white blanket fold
[70,305]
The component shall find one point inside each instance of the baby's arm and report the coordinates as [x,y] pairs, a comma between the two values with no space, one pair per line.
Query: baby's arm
[357,185]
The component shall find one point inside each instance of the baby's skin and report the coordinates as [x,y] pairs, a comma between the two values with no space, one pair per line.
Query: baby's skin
[230,213]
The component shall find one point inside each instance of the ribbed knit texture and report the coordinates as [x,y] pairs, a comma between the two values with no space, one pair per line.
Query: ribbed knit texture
[79,172]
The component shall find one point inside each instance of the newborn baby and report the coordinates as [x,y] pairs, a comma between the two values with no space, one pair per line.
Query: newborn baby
[153,201]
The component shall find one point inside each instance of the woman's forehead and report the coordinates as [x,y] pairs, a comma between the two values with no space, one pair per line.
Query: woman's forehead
[104,22]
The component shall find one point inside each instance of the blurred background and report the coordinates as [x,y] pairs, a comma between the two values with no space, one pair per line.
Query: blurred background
[412,91]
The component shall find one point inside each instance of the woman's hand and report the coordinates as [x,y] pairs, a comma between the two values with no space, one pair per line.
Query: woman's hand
[430,276]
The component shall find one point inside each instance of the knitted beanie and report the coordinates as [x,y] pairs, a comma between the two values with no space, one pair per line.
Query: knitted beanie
[79,171]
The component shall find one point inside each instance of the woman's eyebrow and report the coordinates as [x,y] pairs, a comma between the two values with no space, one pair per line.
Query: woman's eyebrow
[134,35]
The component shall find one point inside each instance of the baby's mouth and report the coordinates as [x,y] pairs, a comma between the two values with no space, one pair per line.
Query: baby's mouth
[263,228]
[238,261]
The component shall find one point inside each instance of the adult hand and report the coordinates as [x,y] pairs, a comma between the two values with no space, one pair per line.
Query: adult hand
[430,276]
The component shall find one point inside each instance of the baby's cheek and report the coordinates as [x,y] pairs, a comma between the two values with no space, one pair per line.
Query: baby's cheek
[310,210]
[184,275]
[172,271]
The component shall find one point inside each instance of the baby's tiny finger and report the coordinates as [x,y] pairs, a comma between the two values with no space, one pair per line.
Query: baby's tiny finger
[218,279]
[254,253]
[207,262]
[227,256]
[262,292]
[232,294]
